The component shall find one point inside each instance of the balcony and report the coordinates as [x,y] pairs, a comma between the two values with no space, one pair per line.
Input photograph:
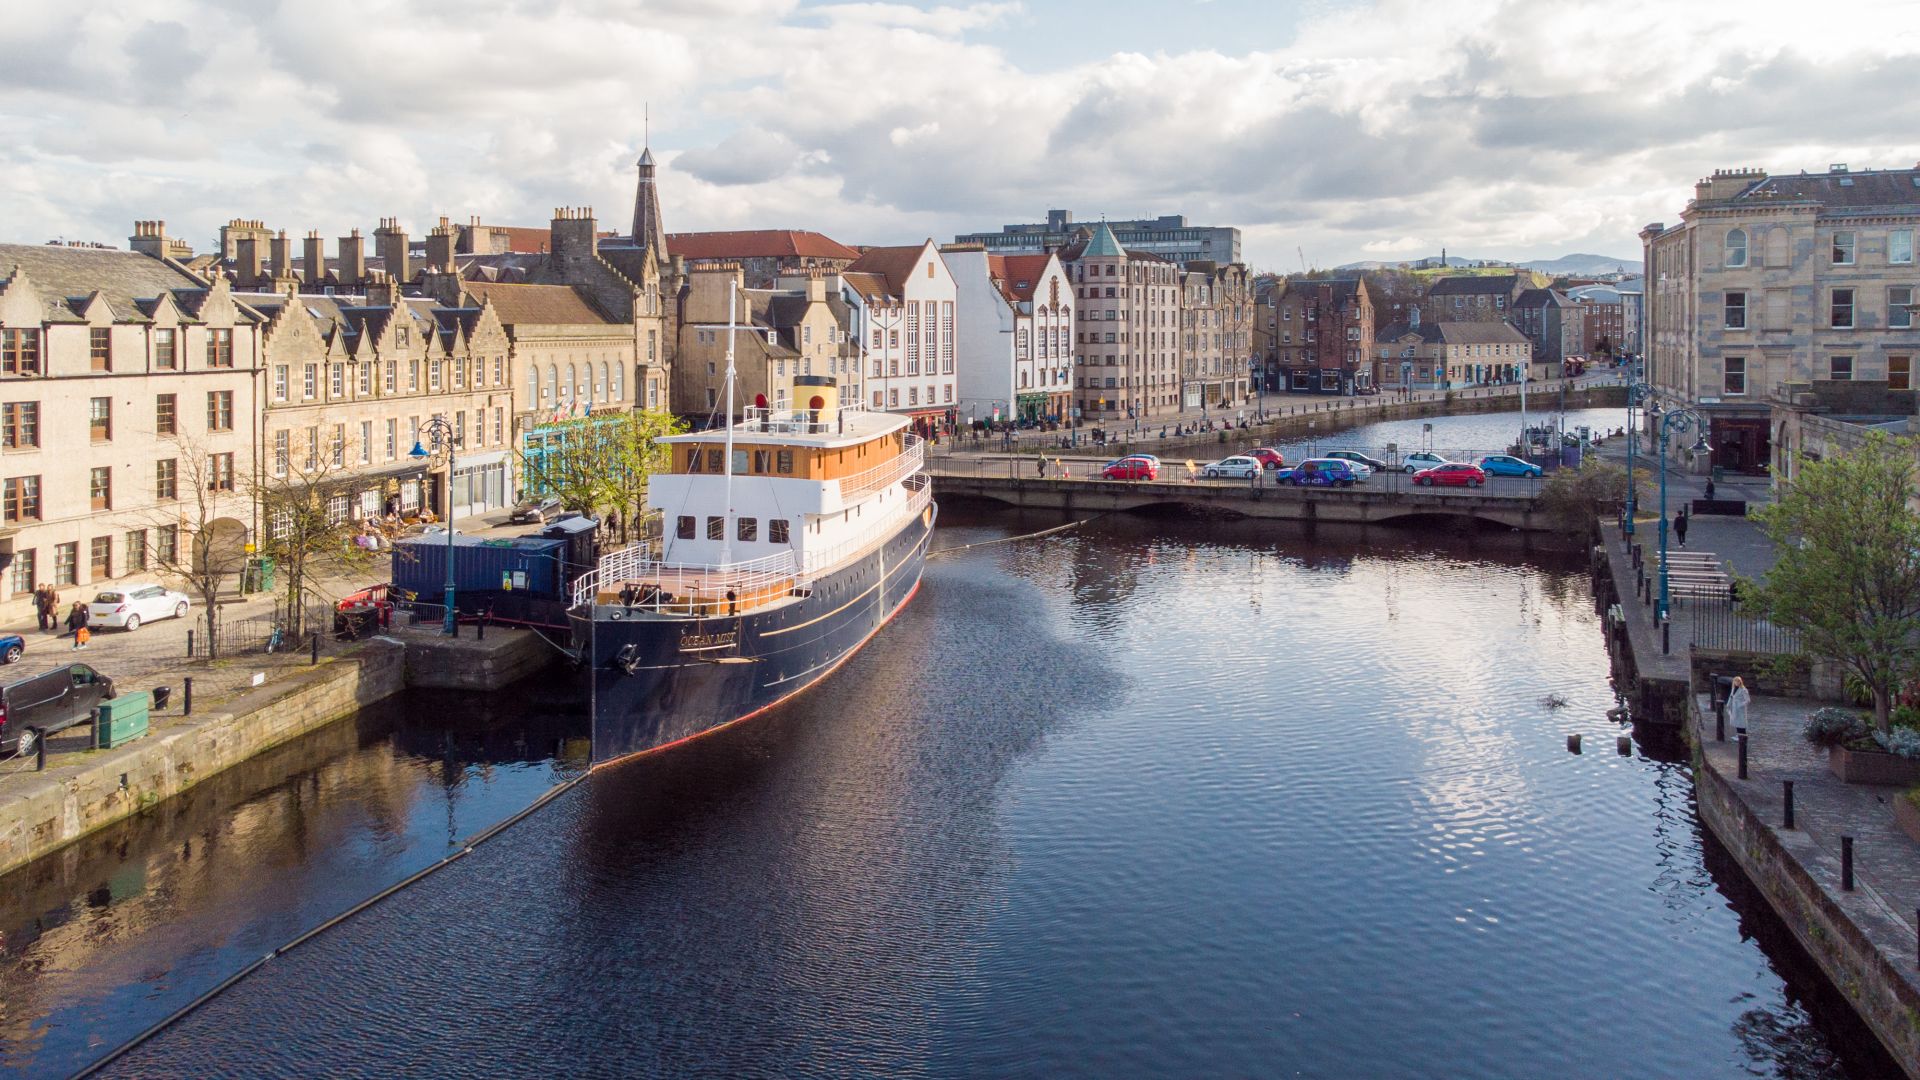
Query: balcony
[911,459]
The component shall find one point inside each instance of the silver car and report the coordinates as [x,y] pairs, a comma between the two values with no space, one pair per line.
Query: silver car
[1235,467]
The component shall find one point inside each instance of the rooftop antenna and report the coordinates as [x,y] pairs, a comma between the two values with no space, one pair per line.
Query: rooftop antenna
[646,123]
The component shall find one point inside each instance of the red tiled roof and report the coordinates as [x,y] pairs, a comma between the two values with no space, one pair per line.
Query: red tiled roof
[1020,272]
[894,265]
[758,244]
[871,286]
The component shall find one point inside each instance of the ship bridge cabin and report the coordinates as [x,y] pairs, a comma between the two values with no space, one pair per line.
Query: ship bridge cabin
[751,516]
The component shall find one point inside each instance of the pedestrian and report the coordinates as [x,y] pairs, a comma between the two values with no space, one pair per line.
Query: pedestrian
[1737,700]
[1709,487]
[43,606]
[81,637]
[76,617]
[1040,466]
[1680,526]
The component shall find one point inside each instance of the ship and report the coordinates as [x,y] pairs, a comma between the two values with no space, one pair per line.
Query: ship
[789,538]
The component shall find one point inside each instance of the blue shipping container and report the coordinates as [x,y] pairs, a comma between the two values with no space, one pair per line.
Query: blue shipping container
[420,565]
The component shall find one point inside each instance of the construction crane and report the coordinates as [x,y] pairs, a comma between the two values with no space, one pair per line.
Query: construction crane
[1303,259]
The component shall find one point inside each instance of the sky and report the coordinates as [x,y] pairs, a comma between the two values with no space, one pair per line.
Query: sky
[1329,131]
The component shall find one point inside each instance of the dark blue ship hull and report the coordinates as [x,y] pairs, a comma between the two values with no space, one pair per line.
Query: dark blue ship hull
[659,680]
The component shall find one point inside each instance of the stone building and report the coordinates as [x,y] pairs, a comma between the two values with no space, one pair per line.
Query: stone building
[1216,335]
[1016,336]
[1265,333]
[1475,297]
[350,382]
[127,394]
[1552,324]
[1126,330]
[1326,336]
[1419,355]
[1773,282]
[775,335]
[1603,323]
[912,364]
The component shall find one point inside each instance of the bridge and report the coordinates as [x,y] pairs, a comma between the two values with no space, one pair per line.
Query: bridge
[1383,500]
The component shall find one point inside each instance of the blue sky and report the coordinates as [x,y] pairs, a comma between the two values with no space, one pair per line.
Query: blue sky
[1368,129]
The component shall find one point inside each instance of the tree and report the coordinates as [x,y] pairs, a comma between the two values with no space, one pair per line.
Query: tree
[1572,498]
[1847,579]
[198,536]
[599,464]
[307,527]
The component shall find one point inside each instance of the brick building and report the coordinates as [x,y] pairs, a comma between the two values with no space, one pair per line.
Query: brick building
[1326,335]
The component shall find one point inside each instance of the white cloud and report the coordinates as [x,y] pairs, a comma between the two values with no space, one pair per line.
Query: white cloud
[1493,127]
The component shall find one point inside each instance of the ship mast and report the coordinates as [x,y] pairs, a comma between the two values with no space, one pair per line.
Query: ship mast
[726,537]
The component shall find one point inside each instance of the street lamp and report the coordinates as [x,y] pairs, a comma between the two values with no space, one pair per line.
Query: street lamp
[1637,392]
[1672,421]
[440,433]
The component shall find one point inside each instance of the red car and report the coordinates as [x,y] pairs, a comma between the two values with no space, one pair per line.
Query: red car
[1268,457]
[1138,467]
[1456,473]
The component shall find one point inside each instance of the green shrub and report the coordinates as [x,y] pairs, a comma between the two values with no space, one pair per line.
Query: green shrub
[1831,726]
[1907,716]
[1901,741]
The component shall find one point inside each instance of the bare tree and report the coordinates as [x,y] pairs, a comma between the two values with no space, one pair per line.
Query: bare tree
[306,516]
[198,533]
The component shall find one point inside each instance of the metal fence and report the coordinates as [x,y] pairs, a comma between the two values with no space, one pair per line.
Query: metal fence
[1721,625]
[266,633]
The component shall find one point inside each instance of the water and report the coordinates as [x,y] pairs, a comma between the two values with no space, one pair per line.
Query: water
[1457,438]
[1152,797]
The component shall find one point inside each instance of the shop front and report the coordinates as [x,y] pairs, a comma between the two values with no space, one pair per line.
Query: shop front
[480,484]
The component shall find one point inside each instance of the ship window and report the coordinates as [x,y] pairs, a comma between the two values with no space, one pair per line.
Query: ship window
[713,460]
[739,462]
[762,460]
[749,529]
[777,530]
[683,529]
[693,460]
[784,461]
[716,528]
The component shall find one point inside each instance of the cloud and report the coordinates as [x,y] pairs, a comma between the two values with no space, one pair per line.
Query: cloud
[1494,127]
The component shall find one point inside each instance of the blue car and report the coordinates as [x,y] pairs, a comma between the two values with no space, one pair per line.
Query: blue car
[1508,465]
[1320,472]
[11,646]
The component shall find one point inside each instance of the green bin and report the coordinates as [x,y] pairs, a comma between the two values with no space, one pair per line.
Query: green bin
[121,720]
[257,575]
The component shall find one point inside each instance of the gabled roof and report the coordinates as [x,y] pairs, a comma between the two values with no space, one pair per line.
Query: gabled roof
[1539,298]
[1480,333]
[871,286]
[130,283]
[1427,332]
[894,265]
[1017,276]
[536,305]
[1475,285]
[758,244]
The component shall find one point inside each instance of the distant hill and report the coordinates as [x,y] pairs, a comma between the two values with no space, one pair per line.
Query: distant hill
[1579,265]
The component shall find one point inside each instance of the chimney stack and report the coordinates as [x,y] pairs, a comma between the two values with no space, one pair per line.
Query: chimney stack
[280,257]
[353,260]
[382,290]
[390,243]
[149,238]
[246,262]
[440,245]
[316,261]
[573,241]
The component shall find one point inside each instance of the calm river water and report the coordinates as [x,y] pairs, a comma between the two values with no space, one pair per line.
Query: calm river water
[1152,797]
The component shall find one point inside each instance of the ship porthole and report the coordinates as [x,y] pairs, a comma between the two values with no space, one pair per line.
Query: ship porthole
[615,615]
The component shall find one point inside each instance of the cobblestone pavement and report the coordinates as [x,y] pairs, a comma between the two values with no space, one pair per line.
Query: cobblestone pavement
[1886,860]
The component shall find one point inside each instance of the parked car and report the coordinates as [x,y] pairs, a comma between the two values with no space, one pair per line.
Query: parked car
[1137,467]
[1508,465]
[535,511]
[40,705]
[1239,466]
[11,648]
[1322,472]
[1453,473]
[130,605]
[1421,459]
[1268,457]
[1358,458]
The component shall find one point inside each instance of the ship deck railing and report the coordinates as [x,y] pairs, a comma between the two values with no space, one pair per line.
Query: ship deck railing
[911,459]
[632,577]
[797,421]
[820,560]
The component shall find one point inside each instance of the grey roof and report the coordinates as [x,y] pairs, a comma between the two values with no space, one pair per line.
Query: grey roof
[1849,190]
[1480,333]
[1540,298]
[1426,331]
[1475,285]
[130,283]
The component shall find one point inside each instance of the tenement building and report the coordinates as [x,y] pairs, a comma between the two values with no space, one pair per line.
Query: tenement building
[1169,237]
[1216,335]
[1126,330]
[128,415]
[1777,287]
[763,255]
[1326,336]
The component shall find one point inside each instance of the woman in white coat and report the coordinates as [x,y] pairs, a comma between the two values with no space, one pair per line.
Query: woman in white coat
[1737,704]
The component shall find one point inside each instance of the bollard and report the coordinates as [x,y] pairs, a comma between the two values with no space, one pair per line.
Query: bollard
[1787,817]
[1666,637]
[480,628]
[1846,863]
[40,753]
[313,648]
[1573,743]
[1623,744]
[1743,755]
[1720,725]
[186,696]
[189,643]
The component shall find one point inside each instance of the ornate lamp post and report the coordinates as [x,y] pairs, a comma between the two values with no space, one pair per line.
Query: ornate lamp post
[1672,421]
[1637,392]
[439,432]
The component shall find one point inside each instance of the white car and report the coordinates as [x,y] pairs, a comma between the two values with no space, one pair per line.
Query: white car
[1421,460]
[1239,467]
[130,605]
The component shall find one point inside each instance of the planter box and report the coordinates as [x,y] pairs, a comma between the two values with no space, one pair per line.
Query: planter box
[1873,767]
[1907,816]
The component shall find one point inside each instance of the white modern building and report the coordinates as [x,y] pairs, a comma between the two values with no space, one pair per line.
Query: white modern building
[912,352]
[1016,336]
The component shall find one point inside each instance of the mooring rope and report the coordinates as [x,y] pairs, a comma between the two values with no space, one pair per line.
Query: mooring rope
[1007,539]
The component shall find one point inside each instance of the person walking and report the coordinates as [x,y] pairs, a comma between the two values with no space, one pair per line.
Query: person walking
[44,606]
[1737,700]
[1680,526]
[1040,466]
[1709,488]
[76,617]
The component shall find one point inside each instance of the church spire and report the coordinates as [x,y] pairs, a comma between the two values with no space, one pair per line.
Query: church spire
[649,231]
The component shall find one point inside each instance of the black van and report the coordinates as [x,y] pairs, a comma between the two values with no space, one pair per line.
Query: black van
[43,704]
